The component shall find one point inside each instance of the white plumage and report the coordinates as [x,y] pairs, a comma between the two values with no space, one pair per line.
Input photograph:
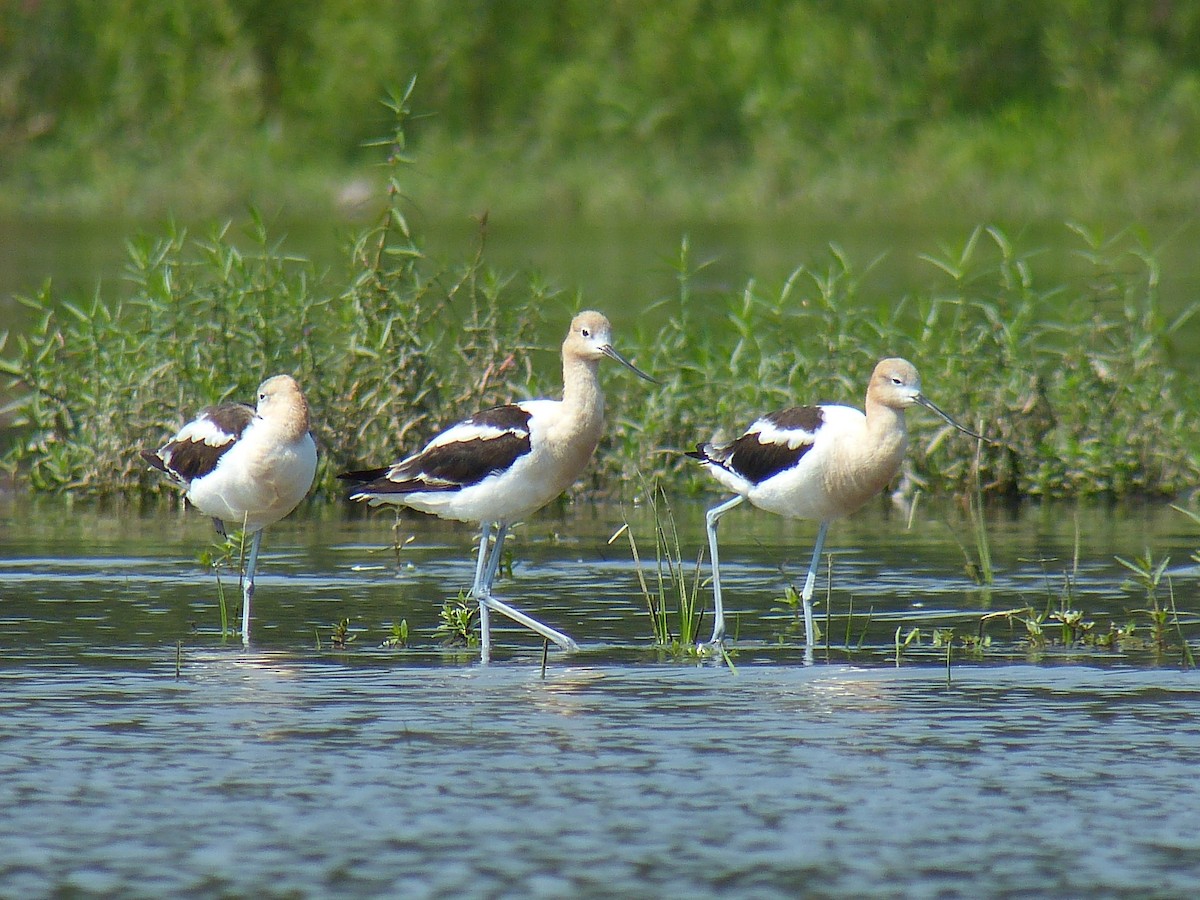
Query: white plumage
[815,462]
[245,467]
[505,463]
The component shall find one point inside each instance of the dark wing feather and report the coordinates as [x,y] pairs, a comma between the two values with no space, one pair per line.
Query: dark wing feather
[451,467]
[189,455]
[756,462]
[152,457]
[509,417]
[797,418]
[362,476]
[750,458]
[485,444]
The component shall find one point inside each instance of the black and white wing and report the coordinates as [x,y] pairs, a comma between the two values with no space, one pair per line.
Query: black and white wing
[486,444]
[774,443]
[195,451]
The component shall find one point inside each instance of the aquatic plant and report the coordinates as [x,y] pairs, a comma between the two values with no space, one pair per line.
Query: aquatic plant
[1073,375]
[1147,575]
[458,617]
[382,359]
[791,606]
[228,551]
[340,636]
[905,639]
[673,591]
[1030,363]
[397,635]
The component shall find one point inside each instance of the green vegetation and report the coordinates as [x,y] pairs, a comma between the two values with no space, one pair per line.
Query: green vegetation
[1073,381]
[1072,377]
[1148,576]
[458,616]
[397,636]
[673,604]
[969,112]
[1014,109]
[380,368]
[1035,634]
[226,552]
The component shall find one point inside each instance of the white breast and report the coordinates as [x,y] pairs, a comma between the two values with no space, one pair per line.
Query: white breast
[815,488]
[258,481]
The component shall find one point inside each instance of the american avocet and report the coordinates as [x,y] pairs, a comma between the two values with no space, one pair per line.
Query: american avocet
[504,463]
[245,466]
[815,462]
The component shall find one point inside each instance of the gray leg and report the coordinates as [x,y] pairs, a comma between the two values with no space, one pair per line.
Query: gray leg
[711,518]
[493,565]
[248,586]
[486,600]
[531,623]
[809,582]
[478,592]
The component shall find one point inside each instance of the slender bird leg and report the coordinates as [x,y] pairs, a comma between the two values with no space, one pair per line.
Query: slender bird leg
[478,592]
[493,565]
[533,624]
[711,518]
[809,582]
[486,600]
[219,526]
[248,585]
[481,565]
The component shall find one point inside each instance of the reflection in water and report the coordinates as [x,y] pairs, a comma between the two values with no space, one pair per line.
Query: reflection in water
[102,580]
[316,776]
[414,771]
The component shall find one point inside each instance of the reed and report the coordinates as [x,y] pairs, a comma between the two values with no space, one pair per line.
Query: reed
[225,552]
[1073,376]
[673,603]
[1147,576]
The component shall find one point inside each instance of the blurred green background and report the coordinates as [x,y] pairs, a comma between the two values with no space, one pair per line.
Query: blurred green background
[966,183]
[692,109]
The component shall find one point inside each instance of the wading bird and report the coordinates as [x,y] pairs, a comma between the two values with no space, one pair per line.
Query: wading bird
[244,466]
[815,462]
[504,463]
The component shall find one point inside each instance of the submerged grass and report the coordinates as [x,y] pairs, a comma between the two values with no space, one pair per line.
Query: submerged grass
[226,552]
[1072,375]
[673,604]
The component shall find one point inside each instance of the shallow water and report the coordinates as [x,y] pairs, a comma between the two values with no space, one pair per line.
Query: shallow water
[288,770]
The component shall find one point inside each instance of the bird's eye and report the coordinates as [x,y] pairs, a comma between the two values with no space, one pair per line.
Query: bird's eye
[586,332]
[262,396]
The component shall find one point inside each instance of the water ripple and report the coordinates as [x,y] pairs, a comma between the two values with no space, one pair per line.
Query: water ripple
[261,772]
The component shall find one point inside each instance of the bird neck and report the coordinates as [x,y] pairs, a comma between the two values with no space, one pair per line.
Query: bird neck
[291,422]
[887,428]
[581,389]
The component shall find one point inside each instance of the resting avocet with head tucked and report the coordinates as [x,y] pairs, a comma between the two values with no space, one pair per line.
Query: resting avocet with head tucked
[504,463]
[246,467]
[815,462]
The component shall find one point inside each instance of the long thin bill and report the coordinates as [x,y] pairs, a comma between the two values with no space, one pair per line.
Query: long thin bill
[930,405]
[608,351]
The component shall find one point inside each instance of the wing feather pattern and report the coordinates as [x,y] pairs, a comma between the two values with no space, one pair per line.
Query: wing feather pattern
[198,447]
[773,444]
[486,444]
